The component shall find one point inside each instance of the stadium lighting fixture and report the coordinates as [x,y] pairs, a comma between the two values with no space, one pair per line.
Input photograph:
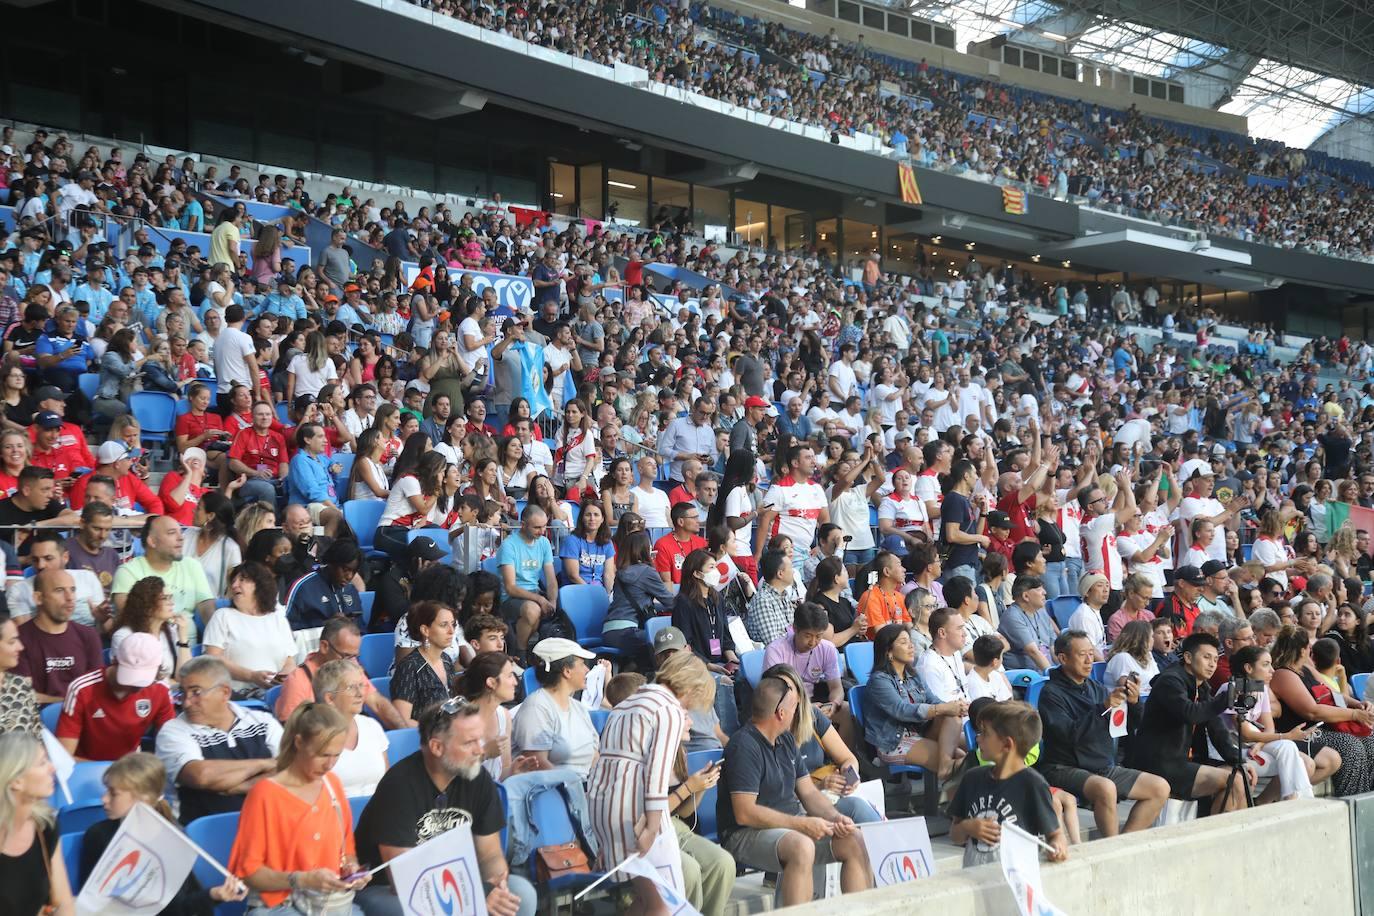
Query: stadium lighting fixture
[1054,36]
[621,184]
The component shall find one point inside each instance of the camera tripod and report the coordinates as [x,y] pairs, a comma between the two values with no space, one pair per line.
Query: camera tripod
[1239,707]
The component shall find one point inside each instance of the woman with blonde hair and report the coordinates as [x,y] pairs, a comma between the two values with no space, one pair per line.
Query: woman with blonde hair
[32,870]
[141,777]
[15,452]
[294,846]
[1271,550]
[252,518]
[627,790]
[342,684]
[1342,553]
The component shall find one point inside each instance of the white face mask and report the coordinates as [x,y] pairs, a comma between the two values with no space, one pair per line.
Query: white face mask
[711,576]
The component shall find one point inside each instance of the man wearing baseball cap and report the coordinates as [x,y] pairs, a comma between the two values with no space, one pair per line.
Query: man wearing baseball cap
[113,460]
[47,453]
[107,712]
[1181,607]
[745,434]
[52,398]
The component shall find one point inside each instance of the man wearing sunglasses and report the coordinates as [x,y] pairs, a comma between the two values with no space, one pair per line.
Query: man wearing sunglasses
[340,639]
[439,787]
[771,815]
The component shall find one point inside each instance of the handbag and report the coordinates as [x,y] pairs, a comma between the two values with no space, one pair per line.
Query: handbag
[326,903]
[1323,695]
[560,859]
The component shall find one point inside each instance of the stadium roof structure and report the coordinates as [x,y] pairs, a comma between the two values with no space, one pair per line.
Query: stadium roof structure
[1295,68]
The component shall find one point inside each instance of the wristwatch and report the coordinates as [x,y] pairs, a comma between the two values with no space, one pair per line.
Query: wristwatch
[183,645]
[293,880]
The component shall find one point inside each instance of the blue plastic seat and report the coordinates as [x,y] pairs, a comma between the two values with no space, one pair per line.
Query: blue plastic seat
[86,784]
[970,736]
[859,657]
[49,714]
[1099,672]
[368,599]
[376,653]
[930,779]
[77,817]
[283,413]
[655,625]
[404,742]
[156,413]
[599,719]
[1033,690]
[1245,551]
[270,698]
[531,682]
[551,825]
[88,383]
[491,566]
[706,804]
[586,607]
[364,516]
[1357,682]
[215,834]
[345,462]
[1062,608]
[71,857]
[356,804]
[751,665]
[383,686]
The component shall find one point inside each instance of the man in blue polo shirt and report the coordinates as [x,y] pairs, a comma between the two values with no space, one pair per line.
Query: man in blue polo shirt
[62,354]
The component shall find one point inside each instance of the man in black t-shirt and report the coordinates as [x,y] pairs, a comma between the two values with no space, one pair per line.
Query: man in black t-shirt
[33,501]
[440,787]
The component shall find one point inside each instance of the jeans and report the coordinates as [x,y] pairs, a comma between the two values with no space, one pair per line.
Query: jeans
[726,710]
[381,899]
[857,809]
[1073,571]
[1054,580]
[968,572]
[255,489]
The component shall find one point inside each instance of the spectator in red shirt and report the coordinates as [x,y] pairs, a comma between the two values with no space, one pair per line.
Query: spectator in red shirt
[113,460]
[181,490]
[686,491]
[1018,493]
[15,452]
[48,453]
[107,712]
[672,549]
[999,534]
[201,428]
[52,398]
[259,453]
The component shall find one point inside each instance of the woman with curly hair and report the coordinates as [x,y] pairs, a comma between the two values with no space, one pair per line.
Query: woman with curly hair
[151,608]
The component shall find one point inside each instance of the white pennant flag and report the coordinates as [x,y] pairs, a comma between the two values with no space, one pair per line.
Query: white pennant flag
[440,877]
[1116,721]
[1019,853]
[662,865]
[899,851]
[595,687]
[63,763]
[142,869]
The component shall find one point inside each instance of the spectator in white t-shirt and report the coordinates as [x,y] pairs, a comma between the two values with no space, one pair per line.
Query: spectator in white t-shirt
[1094,590]
[236,361]
[986,678]
[941,667]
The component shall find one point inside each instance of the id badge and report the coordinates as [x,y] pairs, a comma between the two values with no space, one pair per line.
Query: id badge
[715,648]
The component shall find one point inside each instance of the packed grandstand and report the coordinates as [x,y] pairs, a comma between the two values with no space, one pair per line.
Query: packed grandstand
[339,517]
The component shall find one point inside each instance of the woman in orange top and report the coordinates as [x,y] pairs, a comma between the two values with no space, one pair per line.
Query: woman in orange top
[295,833]
[884,603]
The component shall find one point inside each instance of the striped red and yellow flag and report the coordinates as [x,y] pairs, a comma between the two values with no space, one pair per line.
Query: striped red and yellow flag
[1013,200]
[906,177]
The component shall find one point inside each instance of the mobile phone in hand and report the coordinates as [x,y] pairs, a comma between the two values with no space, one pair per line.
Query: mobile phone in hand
[349,879]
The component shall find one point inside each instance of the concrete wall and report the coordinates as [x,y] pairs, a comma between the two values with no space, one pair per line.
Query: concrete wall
[1117,96]
[1297,851]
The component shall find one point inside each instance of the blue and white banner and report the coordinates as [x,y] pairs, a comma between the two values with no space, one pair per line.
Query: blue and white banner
[440,877]
[1019,853]
[511,291]
[662,865]
[532,377]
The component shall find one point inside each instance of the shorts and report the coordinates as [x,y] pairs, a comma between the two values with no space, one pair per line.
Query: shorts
[316,509]
[756,848]
[860,557]
[1181,778]
[904,746]
[1072,779]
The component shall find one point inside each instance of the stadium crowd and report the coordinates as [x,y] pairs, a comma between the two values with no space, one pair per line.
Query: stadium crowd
[1111,159]
[834,523]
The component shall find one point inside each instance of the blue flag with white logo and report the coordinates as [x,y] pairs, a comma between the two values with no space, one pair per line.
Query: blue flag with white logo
[532,377]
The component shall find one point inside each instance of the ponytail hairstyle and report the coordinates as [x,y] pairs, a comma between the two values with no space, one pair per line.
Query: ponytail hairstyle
[314,724]
[143,775]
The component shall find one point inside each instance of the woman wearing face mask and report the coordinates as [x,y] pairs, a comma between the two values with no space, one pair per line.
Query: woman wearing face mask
[700,614]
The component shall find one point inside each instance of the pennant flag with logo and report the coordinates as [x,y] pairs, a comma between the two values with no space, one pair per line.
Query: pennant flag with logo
[532,377]
[141,870]
[899,851]
[1013,200]
[1116,722]
[1339,515]
[63,763]
[440,877]
[906,177]
[662,865]
[1020,856]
